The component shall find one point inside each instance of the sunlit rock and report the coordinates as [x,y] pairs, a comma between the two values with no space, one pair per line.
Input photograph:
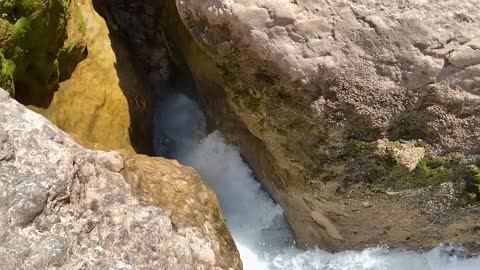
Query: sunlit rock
[62,206]
[313,86]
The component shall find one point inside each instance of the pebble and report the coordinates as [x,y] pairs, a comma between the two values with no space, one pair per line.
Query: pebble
[367,204]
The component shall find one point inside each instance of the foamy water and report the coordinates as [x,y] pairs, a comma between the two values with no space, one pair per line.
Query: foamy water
[255,221]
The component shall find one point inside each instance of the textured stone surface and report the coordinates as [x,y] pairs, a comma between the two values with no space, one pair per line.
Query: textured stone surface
[165,182]
[65,207]
[320,86]
[103,104]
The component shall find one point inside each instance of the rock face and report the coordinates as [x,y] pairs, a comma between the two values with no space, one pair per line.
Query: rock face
[340,102]
[192,203]
[102,103]
[62,206]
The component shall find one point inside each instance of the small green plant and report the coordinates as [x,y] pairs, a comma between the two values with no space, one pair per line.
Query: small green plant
[21,28]
[230,72]
[473,188]
[384,171]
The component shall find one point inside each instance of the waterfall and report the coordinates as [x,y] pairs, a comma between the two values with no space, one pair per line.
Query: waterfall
[257,224]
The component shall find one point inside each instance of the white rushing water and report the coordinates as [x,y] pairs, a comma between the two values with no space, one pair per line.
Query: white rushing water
[255,221]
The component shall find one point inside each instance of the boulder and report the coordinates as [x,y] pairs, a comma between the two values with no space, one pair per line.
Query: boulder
[337,102]
[193,205]
[63,206]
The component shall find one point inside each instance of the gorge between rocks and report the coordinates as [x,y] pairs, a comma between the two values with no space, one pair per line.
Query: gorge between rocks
[211,134]
[256,222]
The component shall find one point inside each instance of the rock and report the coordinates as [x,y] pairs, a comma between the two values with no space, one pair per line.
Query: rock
[406,154]
[111,160]
[367,204]
[165,182]
[91,103]
[4,95]
[304,86]
[74,48]
[63,206]
[102,103]
[327,225]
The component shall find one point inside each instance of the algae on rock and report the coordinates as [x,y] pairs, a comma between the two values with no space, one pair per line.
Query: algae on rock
[31,34]
[7,68]
[74,49]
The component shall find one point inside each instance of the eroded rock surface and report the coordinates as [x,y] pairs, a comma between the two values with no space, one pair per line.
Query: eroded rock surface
[350,101]
[102,101]
[193,204]
[65,207]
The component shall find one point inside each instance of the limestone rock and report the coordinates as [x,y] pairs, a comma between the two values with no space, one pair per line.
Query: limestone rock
[407,154]
[165,182]
[310,85]
[65,207]
[102,103]
[367,204]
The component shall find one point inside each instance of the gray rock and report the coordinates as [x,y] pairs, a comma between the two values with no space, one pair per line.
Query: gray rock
[65,207]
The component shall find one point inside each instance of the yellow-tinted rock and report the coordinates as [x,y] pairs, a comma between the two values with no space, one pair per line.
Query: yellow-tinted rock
[192,203]
[92,105]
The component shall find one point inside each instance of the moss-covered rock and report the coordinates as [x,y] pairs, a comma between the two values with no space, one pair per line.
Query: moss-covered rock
[378,164]
[293,112]
[430,171]
[7,67]
[31,34]
[74,49]
[68,58]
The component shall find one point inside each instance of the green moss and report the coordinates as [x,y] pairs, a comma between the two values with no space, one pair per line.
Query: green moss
[21,28]
[7,68]
[230,71]
[36,31]
[68,57]
[80,20]
[382,170]
[249,100]
[473,182]
[15,9]
[360,147]
[430,171]
[475,172]
[472,196]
